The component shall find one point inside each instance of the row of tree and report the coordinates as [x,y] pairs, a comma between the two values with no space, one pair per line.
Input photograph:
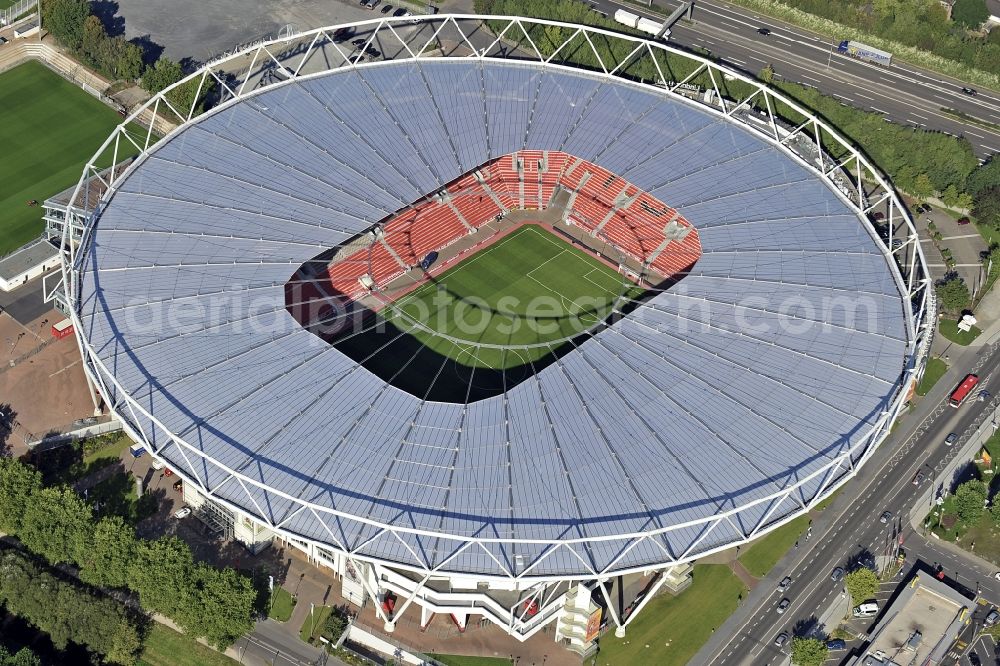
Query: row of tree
[72,23]
[23,657]
[67,611]
[54,522]
[920,162]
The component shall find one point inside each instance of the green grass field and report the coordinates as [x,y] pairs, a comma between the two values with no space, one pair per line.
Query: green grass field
[670,630]
[761,556]
[462,660]
[282,605]
[49,128]
[936,368]
[949,329]
[165,647]
[512,303]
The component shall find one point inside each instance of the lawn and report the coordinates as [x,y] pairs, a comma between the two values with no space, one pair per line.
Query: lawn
[949,329]
[530,290]
[282,604]
[49,128]
[675,628]
[115,496]
[460,660]
[936,368]
[761,556]
[313,626]
[166,647]
[66,464]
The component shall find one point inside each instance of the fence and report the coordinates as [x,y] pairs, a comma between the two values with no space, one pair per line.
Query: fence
[9,15]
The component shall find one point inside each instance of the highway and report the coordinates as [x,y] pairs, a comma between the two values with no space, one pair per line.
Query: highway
[878,489]
[902,93]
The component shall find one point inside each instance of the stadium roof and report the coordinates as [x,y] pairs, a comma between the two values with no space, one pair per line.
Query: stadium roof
[751,374]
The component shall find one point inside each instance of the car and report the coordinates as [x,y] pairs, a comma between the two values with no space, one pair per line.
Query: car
[3,40]
[780,639]
[885,517]
[386,9]
[837,574]
[157,464]
[922,208]
[963,221]
[970,91]
[992,618]
[178,485]
[974,659]
[359,42]
[371,4]
[984,395]
[836,644]
[785,582]
[167,472]
[950,439]
[341,35]
[878,217]
[997,575]
[400,12]
[372,52]
[897,243]
[182,513]
[783,605]
[763,31]
[918,479]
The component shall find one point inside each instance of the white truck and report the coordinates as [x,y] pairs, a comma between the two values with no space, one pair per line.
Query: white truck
[639,22]
[865,52]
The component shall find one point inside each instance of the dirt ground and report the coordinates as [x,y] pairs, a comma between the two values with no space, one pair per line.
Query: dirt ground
[41,379]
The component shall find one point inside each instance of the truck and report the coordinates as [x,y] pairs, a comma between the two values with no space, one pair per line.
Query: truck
[639,22]
[865,52]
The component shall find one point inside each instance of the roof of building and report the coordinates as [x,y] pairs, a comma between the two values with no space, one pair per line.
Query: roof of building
[653,422]
[24,259]
[919,626]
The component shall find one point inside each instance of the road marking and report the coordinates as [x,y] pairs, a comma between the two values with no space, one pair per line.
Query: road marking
[918,115]
[806,76]
[878,110]
[975,134]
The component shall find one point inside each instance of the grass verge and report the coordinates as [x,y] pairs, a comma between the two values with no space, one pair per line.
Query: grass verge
[313,626]
[166,647]
[765,552]
[462,660]
[49,128]
[671,629]
[949,329]
[282,605]
[936,368]
[971,120]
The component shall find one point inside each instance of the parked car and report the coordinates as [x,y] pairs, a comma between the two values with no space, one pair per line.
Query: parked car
[182,513]
[783,605]
[974,659]
[341,35]
[997,575]
[386,9]
[992,618]
[359,42]
[836,644]
[969,91]
[885,517]
[400,11]
[950,439]
[178,485]
[157,464]
[963,221]
[763,31]
[837,574]
[3,40]
[371,4]
[878,217]
[780,639]
[785,582]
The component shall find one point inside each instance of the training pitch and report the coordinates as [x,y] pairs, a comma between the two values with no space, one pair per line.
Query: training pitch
[49,128]
[513,302]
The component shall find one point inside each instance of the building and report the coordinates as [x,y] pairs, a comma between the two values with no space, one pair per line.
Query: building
[718,410]
[919,627]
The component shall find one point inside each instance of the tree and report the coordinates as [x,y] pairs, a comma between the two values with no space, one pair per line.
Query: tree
[106,556]
[970,13]
[224,605]
[861,584]
[94,38]
[56,524]
[950,196]
[161,572]
[987,174]
[952,294]
[986,206]
[128,62]
[65,19]
[767,74]
[23,657]
[808,651]
[922,187]
[161,75]
[970,500]
[18,483]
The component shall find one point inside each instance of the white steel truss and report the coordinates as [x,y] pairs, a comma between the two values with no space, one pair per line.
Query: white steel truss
[459,37]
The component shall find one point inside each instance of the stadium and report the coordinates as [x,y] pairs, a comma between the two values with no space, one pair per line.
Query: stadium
[507,319]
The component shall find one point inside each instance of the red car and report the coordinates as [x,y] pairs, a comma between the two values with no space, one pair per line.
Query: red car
[963,220]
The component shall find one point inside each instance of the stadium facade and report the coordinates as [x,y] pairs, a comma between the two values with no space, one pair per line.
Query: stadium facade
[741,392]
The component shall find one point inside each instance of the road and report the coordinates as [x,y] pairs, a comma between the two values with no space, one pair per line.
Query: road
[902,93]
[889,488]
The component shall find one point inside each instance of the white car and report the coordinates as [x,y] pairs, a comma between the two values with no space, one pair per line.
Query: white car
[997,575]
[183,513]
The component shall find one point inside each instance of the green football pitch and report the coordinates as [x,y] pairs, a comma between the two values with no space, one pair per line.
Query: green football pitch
[512,303]
[49,128]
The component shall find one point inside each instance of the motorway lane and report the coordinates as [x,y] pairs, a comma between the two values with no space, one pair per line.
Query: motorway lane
[901,92]
[812,591]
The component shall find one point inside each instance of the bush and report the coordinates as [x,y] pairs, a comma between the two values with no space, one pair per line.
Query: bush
[970,501]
